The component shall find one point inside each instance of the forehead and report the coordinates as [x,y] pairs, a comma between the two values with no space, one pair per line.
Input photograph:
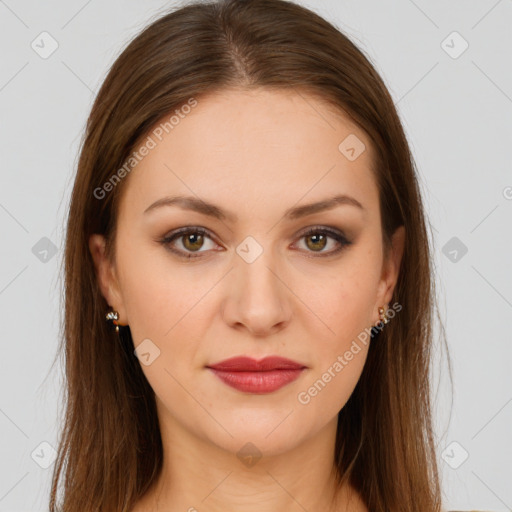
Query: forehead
[259,149]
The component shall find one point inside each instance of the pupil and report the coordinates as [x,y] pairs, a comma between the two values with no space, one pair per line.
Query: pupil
[318,238]
[191,244]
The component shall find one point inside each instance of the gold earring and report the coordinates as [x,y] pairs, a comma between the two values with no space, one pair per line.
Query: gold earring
[114,316]
[383,317]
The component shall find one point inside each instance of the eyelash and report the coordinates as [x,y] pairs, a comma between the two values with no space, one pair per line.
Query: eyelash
[337,236]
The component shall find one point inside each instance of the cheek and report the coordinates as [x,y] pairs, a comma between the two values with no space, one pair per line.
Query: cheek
[172,308]
[339,356]
[167,308]
[329,390]
[160,298]
[345,304]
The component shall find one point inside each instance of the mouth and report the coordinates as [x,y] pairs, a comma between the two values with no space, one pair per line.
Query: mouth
[253,376]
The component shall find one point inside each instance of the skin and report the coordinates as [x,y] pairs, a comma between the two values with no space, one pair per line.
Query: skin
[255,154]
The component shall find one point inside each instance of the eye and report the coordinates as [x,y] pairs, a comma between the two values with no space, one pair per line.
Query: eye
[317,238]
[191,240]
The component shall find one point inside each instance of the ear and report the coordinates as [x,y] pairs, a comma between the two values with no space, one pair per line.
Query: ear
[106,276]
[390,270]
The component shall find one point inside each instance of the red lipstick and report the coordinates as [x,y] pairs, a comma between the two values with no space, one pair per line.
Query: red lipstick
[252,376]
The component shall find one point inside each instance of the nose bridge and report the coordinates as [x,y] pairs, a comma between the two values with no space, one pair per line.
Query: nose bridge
[258,277]
[257,296]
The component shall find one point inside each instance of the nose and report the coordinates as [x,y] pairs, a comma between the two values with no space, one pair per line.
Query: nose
[257,298]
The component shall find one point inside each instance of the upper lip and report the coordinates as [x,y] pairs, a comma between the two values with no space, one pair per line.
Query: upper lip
[243,363]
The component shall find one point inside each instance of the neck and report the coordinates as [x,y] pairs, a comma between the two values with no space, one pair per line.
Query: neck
[199,475]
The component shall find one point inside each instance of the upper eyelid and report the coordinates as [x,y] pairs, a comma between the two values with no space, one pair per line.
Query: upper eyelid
[179,232]
[191,229]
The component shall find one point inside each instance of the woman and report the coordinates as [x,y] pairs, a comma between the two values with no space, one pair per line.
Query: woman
[249,292]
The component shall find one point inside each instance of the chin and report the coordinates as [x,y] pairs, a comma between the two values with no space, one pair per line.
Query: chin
[264,434]
[252,446]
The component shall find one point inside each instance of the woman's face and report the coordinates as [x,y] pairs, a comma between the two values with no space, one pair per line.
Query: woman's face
[253,283]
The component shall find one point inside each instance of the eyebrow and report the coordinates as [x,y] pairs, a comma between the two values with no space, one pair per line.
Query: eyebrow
[204,207]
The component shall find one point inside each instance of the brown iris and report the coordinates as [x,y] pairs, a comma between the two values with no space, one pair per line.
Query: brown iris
[319,241]
[193,241]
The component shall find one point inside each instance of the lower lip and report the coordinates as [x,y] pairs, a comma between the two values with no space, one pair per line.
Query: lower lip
[258,382]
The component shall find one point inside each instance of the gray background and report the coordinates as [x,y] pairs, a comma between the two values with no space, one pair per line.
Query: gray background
[457,111]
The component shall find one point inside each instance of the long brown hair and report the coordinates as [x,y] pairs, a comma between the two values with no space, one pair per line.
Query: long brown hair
[110,450]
